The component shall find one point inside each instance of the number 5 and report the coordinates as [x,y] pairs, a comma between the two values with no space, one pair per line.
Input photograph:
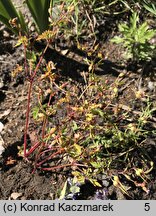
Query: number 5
[147,207]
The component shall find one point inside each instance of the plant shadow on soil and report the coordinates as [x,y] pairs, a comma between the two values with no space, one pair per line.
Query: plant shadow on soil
[71,67]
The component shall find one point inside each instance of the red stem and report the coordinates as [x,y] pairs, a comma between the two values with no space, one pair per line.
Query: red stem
[32,149]
[28,102]
[25,61]
[48,158]
[39,62]
[48,150]
[62,166]
[27,118]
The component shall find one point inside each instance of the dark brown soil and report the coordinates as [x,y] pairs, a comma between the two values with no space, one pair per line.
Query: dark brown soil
[15,173]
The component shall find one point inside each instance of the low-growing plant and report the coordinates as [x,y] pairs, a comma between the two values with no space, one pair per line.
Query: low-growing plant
[31,67]
[136,39]
[92,135]
[85,130]
[86,17]
[85,127]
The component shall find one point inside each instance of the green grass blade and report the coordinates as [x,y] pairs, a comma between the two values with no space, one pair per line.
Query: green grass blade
[8,12]
[24,26]
[5,22]
[39,11]
[7,9]
[150,7]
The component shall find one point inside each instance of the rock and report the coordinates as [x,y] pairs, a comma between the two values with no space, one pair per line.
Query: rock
[6,34]
[1,139]
[15,195]
[151,85]
[1,126]
[1,146]
[4,114]
[1,83]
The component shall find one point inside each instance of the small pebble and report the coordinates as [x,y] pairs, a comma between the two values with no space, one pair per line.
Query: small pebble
[15,195]
[151,85]
[6,34]
[1,146]
[1,126]
[1,83]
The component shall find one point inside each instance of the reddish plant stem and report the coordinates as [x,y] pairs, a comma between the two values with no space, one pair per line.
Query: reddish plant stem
[44,126]
[62,166]
[46,159]
[45,119]
[28,102]
[48,150]
[25,60]
[27,119]
[39,62]
[33,148]
[51,156]
[57,167]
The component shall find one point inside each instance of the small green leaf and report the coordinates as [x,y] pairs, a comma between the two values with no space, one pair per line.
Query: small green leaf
[117,40]
[31,56]
[79,177]
[96,165]
[75,126]
[77,149]
[35,112]
[97,112]
[95,182]
[74,189]
[63,191]
[151,8]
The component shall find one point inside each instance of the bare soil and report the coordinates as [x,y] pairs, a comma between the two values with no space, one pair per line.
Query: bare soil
[16,173]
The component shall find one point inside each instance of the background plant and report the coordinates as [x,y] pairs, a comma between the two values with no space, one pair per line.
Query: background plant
[8,12]
[39,11]
[151,7]
[90,17]
[136,39]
